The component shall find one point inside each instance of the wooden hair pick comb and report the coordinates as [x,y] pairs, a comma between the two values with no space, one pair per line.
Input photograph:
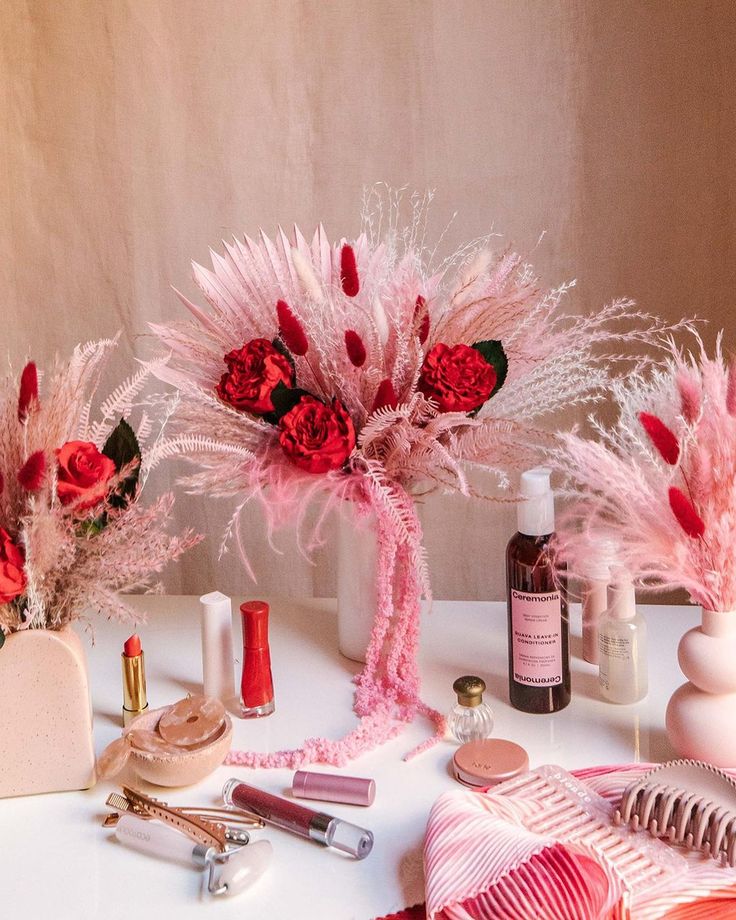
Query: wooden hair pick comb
[687,802]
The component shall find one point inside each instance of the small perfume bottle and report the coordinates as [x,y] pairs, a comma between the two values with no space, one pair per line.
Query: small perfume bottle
[622,646]
[470,719]
[256,687]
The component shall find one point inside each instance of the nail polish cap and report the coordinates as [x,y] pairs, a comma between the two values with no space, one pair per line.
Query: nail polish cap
[255,624]
[332,787]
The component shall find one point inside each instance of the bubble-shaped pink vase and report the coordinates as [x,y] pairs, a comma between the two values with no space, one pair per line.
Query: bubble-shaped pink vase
[45,714]
[701,714]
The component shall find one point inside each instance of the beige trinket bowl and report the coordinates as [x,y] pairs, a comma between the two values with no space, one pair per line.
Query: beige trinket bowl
[182,768]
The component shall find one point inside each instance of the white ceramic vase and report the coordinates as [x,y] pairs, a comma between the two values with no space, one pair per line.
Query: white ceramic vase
[45,716]
[357,596]
[702,713]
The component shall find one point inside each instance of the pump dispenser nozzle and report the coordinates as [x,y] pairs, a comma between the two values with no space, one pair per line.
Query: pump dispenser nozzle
[536,512]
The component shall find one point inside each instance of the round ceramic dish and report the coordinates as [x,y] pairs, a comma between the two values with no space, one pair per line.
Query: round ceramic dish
[183,768]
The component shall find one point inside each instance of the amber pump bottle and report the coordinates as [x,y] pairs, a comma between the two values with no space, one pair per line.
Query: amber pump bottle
[539,647]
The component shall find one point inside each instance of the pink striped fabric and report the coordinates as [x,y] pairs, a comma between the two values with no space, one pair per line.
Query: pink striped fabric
[542,846]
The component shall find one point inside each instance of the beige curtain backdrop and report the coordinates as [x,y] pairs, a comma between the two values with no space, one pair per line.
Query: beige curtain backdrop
[136,133]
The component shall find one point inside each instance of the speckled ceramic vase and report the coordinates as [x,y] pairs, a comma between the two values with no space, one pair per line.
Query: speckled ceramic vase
[45,714]
[702,713]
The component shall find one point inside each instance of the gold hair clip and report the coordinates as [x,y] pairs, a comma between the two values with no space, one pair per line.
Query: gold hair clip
[203,825]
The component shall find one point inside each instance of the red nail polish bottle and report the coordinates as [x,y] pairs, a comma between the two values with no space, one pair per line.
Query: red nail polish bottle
[256,687]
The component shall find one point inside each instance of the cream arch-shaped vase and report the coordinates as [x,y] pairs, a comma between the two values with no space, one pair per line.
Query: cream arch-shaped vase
[45,714]
[701,715]
[357,594]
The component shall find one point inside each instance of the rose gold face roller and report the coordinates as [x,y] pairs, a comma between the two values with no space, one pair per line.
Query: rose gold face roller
[687,802]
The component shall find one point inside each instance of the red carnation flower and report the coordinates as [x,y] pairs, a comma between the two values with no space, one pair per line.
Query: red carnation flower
[12,574]
[290,329]
[316,437]
[661,436]
[253,372]
[457,378]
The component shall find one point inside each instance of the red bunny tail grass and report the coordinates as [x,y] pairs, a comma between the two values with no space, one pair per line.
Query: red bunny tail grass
[423,330]
[386,397]
[349,271]
[31,474]
[731,388]
[355,348]
[290,329]
[661,436]
[2,483]
[687,517]
[28,396]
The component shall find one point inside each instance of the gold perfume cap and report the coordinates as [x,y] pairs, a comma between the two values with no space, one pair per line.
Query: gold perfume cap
[469,690]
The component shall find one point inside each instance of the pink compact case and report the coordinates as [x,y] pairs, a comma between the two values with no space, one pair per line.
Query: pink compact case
[485,763]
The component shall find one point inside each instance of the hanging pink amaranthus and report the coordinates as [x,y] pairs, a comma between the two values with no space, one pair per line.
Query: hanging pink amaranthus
[406,374]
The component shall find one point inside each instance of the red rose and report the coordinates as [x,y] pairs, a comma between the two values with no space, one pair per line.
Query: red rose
[315,437]
[253,372]
[457,378]
[83,474]
[12,576]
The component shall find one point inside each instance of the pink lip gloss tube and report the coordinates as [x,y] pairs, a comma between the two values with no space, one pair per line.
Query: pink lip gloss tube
[314,825]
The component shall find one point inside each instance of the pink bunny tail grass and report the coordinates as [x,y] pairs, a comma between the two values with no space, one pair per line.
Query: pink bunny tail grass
[387,695]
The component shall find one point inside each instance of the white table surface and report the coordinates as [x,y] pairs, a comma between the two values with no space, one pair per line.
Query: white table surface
[58,862]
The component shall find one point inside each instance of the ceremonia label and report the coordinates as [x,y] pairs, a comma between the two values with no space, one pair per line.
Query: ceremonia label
[536,627]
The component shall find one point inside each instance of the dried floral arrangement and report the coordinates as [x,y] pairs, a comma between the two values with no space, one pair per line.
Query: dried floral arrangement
[660,484]
[365,372]
[73,532]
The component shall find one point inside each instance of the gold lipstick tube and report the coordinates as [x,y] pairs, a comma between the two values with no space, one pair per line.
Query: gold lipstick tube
[134,687]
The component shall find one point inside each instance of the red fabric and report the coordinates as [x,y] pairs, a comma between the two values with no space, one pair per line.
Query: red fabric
[410,913]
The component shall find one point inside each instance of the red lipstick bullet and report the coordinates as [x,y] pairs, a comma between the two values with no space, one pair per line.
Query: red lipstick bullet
[134,679]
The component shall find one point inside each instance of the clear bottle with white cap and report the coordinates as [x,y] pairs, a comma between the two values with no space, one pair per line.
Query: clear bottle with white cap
[595,577]
[539,644]
[622,645]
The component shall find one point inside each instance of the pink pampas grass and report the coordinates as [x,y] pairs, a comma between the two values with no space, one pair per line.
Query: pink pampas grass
[661,482]
[77,556]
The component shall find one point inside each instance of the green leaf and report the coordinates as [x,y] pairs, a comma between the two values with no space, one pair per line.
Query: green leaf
[493,352]
[122,448]
[2,638]
[285,398]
